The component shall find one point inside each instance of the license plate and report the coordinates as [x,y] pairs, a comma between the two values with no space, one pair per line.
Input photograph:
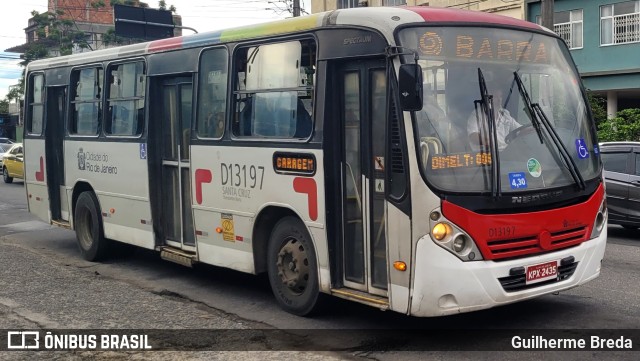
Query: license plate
[541,272]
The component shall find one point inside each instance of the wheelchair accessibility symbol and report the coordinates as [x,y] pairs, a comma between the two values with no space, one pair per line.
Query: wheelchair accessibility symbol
[581,147]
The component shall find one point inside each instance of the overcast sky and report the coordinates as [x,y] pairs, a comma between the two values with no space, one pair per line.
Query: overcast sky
[203,15]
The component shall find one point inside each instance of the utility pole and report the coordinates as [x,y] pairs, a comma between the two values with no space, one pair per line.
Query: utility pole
[296,8]
[547,14]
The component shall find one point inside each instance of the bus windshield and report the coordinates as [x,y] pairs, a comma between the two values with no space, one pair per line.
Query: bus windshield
[500,99]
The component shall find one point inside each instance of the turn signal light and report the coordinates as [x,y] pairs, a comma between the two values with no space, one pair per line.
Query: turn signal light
[400,266]
[440,231]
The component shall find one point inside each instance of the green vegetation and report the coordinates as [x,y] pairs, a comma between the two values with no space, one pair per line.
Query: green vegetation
[624,127]
[57,35]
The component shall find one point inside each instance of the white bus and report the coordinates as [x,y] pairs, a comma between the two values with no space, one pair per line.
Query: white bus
[332,151]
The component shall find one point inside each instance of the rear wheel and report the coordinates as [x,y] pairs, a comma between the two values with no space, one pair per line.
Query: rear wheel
[292,267]
[89,231]
[5,175]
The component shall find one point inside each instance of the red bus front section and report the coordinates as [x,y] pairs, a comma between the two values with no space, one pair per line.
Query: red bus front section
[508,236]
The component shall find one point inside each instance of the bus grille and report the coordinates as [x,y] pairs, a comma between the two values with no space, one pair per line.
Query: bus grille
[524,246]
[517,282]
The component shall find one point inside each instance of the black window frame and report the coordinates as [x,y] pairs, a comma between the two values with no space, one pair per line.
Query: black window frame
[202,103]
[31,103]
[235,93]
[139,113]
[73,80]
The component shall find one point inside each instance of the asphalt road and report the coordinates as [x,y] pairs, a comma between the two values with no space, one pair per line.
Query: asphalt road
[45,284]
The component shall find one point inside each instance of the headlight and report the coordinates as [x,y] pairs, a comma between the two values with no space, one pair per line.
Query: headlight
[440,231]
[453,239]
[601,219]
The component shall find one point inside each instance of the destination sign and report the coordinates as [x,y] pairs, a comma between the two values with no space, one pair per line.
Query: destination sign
[486,44]
[460,160]
[294,163]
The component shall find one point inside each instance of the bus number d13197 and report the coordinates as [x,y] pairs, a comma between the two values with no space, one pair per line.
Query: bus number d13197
[498,232]
[241,175]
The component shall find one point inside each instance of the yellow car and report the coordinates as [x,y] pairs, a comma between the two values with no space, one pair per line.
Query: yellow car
[13,163]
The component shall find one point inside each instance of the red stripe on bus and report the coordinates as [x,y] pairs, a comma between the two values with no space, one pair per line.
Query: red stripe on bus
[432,14]
[165,44]
[40,173]
[308,186]
[500,236]
[202,176]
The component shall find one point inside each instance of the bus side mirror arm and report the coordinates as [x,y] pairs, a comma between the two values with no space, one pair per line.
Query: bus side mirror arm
[410,87]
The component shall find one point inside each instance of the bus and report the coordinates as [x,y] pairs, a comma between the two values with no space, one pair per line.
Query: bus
[334,152]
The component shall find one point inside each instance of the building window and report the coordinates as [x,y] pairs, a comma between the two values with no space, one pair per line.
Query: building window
[394,2]
[568,25]
[620,23]
[345,4]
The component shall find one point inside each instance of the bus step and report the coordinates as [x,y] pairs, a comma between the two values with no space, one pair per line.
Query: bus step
[178,256]
[61,223]
[358,296]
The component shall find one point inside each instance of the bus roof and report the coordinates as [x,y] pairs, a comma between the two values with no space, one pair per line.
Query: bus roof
[385,19]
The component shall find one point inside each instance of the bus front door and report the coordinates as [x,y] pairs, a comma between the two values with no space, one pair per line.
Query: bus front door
[177,219]
[364,237]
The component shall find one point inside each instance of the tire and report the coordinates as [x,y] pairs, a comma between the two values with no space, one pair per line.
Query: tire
[293,268]
[89,231]
[5,175]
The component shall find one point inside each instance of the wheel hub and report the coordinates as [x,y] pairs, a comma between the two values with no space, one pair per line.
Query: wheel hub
[293,265]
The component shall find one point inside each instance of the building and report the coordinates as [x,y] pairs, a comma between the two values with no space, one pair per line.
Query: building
[512,8]
[604,38]
[93,21]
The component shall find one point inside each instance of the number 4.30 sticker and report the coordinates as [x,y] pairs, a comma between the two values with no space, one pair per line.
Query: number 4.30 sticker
[517,180]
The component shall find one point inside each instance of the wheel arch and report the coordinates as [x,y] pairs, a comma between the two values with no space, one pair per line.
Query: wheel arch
[79,188]
[262,228]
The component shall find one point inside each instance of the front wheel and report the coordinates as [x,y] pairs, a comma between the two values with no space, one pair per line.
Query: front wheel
[89,231]
[292,267]
[5,175]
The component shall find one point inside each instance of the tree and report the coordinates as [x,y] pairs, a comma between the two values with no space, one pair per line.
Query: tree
[4,106]
[624,127]
[59,35]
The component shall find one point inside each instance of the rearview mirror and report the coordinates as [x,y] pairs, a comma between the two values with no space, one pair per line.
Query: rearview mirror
[410,86]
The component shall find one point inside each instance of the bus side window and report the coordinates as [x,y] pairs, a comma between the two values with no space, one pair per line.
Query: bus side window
[125,100]
[303,120]
[212,93]
[86,101]
[274,90]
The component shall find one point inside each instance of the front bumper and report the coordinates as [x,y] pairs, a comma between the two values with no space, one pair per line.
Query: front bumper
[445,285]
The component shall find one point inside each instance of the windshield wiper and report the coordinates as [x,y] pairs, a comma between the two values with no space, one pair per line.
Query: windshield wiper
[538,117]
[486,104]
[535,122]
